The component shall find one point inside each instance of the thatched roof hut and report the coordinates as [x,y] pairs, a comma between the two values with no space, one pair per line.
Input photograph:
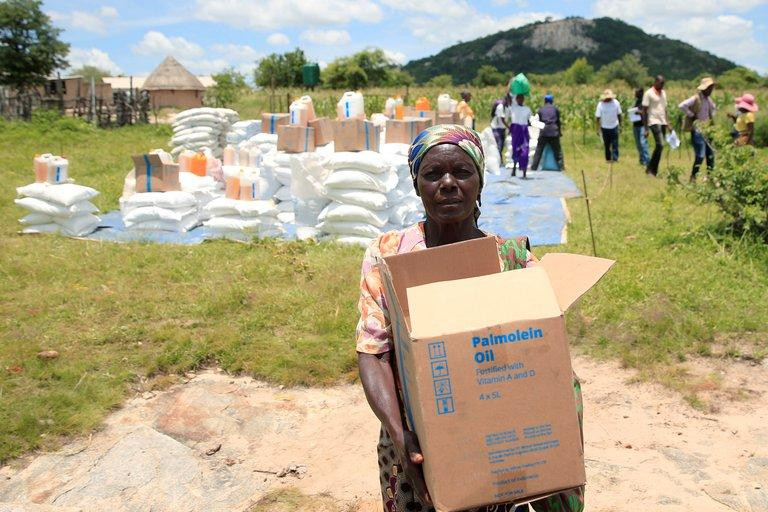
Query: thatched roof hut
[172,85]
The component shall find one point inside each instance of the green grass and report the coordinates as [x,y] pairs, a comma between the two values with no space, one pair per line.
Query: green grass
[125,317]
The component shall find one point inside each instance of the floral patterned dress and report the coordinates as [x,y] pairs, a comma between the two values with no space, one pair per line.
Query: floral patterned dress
[374,337]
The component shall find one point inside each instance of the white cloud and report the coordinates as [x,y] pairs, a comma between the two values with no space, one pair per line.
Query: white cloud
[237,52]
[443,22]
[79,57]
[326,37]
[159,45]
[108,12]
[710,25]
[278,39]
[396,57]
[80,20]
[270,14]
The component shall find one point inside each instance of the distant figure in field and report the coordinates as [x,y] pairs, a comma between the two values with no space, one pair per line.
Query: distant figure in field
[466,114]
[700,109]
[520,119]
[638,130]
[655,121]
[499,123]
[549,114]
[744,127]
[608,115]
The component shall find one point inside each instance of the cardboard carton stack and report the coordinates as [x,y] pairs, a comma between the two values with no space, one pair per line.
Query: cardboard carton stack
[490,388]
[58,208]
[356,135]
[357,187]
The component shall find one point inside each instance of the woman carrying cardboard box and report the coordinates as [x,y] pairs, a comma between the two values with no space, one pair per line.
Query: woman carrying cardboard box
[446,164]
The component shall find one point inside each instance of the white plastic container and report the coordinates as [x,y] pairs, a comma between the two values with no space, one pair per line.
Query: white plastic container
[299,114]
[454,105]
[247,184]
[389,108]
[58,170]
[243,157]
[350,106]
[41,164]
[307,102]
[254,157]
[444,104]
[185,160]
[230,155]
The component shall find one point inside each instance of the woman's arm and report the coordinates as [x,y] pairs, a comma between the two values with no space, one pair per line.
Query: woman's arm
[379,385]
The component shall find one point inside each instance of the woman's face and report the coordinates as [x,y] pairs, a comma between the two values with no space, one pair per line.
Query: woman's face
[448,184]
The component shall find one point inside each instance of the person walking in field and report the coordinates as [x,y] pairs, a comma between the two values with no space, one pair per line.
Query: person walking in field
[466,114]
[549,114]
[744,127]
[499,123]
[655,121]
[638,130]
[520,119]
[608,115]
[700,109]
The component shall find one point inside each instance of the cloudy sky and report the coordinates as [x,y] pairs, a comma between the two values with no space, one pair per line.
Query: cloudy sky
[208,35]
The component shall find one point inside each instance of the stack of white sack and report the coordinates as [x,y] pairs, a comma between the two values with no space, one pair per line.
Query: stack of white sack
[200,128]
[243,130]
[357,186]
[309,172]
[243,220]
[491,151]
[61,208]
[406,207]
[174,211]
[278,163]
[204,188]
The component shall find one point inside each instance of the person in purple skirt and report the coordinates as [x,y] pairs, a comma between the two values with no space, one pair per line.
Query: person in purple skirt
[520,119]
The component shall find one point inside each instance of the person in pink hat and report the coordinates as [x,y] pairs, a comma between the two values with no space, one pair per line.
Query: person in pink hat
[744,127]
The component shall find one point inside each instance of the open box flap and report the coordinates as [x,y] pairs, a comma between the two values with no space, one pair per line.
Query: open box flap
[455,261]
[462,305]
[572,275]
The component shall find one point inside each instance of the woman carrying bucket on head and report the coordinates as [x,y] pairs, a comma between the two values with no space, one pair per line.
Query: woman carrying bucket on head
[520,119]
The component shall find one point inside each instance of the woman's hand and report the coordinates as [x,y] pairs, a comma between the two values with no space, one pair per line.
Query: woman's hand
[409,454]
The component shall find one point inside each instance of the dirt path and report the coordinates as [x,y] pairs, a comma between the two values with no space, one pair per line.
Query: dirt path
[215,442]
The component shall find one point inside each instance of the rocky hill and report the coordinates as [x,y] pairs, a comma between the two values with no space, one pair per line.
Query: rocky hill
[551,46]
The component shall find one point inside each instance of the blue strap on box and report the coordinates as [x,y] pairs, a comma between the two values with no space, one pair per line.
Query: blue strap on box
[367,132]
[149,173]
[272,123]
[306,139]
[58,174]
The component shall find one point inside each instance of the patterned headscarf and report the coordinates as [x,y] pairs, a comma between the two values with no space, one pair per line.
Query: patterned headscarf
[455,134]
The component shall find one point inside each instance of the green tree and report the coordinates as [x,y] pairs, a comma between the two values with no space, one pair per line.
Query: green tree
[230,84]
[368,68]
[30,49]
[281,70]
[628,68]
[489,75]
[739,78]
[444,80]
[580,72]
[89,72]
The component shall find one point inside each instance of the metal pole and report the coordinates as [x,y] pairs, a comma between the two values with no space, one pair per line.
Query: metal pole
[589,214]
[93,99]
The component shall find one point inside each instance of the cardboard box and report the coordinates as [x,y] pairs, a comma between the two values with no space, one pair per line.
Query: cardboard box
[270,122]
[295,139]
[323,130]
[356,135]
[485,369]
[448,118]
[406,130]
[153,174]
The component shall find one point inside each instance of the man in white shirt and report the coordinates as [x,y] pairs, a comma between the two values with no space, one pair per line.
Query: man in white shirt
[520,117]
[499,123]
[655,119]
[608,114]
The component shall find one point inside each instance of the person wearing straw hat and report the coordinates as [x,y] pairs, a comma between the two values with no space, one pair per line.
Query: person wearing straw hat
[700,109]
[744,133]
[608,114]
[655,121]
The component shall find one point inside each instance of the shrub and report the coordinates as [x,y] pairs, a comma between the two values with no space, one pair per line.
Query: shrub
[738,186]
